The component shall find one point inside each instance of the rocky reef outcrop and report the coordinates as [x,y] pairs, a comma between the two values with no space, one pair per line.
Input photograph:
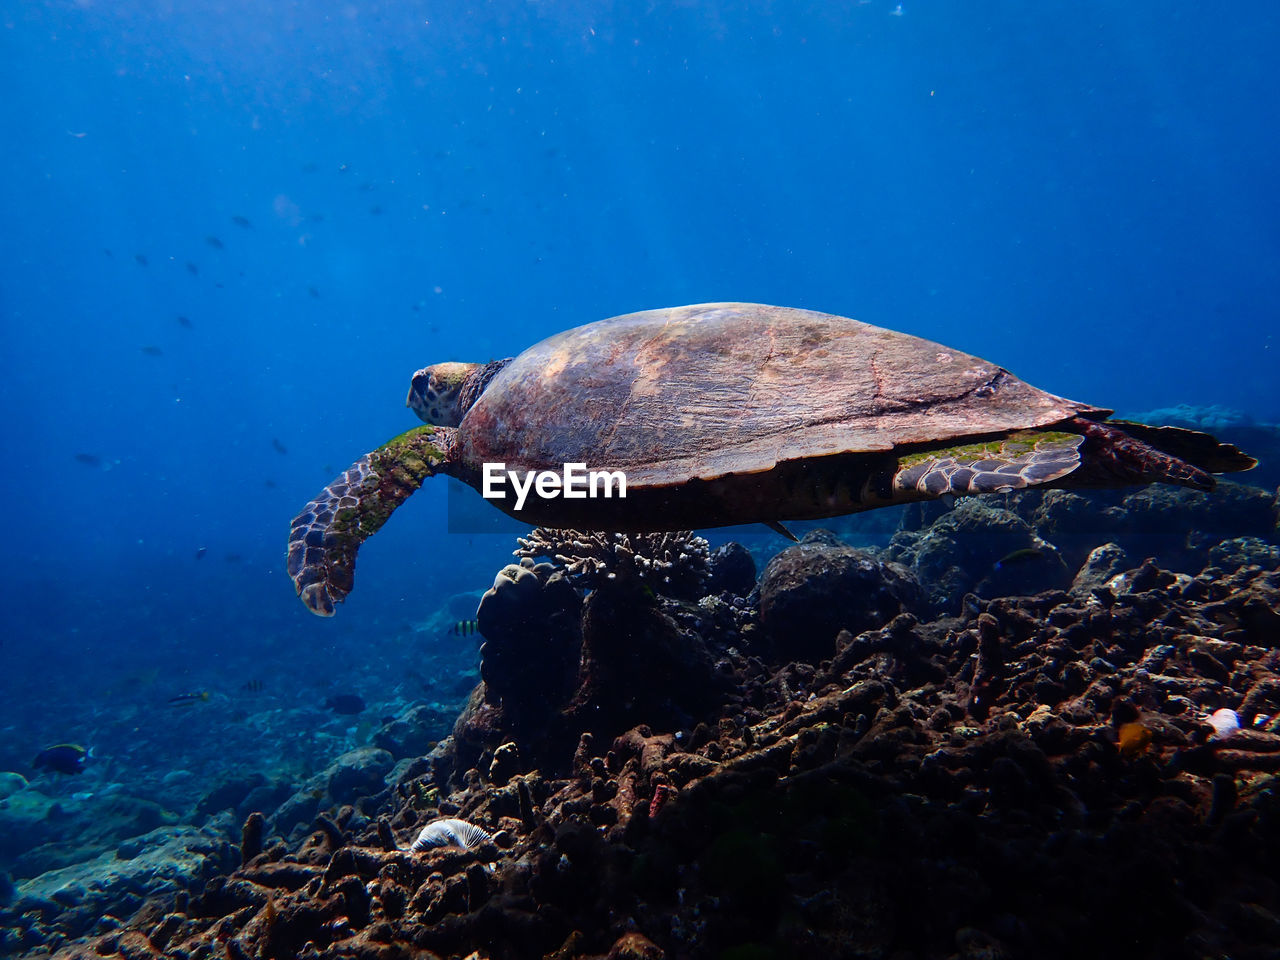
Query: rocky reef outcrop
[592,642]
[820,586]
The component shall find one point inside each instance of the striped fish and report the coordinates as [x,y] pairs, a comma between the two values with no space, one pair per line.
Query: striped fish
[464,628]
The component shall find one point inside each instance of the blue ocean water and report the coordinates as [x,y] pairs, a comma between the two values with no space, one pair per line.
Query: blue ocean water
[232,231]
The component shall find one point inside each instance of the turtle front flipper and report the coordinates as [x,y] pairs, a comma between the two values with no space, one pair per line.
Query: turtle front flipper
[1025,459]
[324,537]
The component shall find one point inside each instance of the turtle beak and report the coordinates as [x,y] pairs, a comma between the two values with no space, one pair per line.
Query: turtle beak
[417,387]
[414,401]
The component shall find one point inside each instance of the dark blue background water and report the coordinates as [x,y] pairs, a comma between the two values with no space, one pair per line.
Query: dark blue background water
[1082,192]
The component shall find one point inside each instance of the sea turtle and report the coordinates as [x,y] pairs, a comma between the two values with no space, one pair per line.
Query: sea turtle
[729,413]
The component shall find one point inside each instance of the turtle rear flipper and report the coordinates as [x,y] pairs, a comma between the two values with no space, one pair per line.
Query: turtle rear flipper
[324,537]
[1021,460]
[1116,457]
[1200,449]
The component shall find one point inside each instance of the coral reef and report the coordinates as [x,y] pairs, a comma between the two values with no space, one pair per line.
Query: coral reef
[1082,767]
[556,664]
[676,564]
[97,895]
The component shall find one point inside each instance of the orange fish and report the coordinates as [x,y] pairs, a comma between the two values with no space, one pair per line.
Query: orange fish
[1134,739]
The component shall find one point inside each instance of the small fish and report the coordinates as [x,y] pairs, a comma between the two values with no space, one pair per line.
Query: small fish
[252,686]
[982,693]
[242,222]
[152,351]
[269,484]
[200,552]
[183,699]
[141,260]
[376,210]
[66,758]
[192,269]
[464,628]
[214,242]
[1134,739]
[184,321]
[347,703]
[233,558]
[279,447]
[1019,557]
[315,294]
[89,459]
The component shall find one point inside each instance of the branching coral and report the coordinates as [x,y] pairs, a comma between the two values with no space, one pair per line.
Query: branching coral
[675,563]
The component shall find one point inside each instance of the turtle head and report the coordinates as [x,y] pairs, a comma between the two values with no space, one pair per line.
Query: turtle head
[435,393]
[443,392]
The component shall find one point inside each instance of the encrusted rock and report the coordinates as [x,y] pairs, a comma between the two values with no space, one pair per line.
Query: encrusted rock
[359,772]
[528,662]
[1231,555]
[821,585]
[635,946]
[1102,564]
[982,548]
[413,733]
[733,570]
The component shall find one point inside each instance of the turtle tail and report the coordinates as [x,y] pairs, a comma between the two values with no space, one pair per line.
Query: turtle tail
[324,537]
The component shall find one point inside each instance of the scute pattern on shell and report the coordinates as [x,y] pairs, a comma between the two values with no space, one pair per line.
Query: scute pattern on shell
[716,389]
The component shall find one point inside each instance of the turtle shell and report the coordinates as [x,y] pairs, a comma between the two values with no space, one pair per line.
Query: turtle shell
[724,388]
